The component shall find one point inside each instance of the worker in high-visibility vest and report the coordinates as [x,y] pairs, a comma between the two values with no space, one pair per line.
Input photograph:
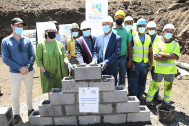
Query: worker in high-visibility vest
[165,53]
[152,29]
[128,24]
[142,60]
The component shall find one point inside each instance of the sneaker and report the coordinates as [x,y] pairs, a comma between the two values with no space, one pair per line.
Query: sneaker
[157,97]
[119,88]
[30,111]
[16,119]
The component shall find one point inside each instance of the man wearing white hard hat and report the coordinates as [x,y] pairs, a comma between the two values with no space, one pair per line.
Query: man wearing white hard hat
[152,31]
[107,49]
[128,22]
[165,53]
[18,54]
[84,45]
[142,60]
[51,58]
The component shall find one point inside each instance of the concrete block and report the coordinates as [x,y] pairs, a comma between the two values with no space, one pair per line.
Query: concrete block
[88,72]
[105,84]
[6,116]
[72,109]
[36,120]
[46,109]
[115,119]
[131,106]
[66,120]
[115,96]
[105,108]
[70,85]
[86,120]
[142,116]
[57,97]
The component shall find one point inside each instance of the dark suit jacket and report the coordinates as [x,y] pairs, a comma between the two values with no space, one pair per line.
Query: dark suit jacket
[81,53]
[112,53]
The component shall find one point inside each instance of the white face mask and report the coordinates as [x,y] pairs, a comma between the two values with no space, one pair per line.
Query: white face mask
[128,27]
[152,32]
[141,29]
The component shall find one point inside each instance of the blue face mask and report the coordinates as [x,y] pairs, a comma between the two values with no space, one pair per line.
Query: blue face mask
[151,32]
[106,28]
[75,34]
[18,31]
[141,29]
[128,27]
[168,35]
[87,33]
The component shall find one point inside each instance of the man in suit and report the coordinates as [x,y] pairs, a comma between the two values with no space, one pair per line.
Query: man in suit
[107,49]
[84,45]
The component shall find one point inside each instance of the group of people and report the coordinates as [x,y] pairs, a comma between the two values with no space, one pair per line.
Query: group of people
[119,50]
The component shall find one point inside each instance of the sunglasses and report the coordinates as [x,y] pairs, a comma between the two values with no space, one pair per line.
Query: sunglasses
[20,48]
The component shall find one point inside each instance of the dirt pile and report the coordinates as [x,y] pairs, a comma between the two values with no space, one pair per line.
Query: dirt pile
[68,11]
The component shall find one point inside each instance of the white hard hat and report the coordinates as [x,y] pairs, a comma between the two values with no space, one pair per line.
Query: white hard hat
[84,25]
[169,26]
[151,24]
[74,26]
[107,19]
[50,26]
[128,18]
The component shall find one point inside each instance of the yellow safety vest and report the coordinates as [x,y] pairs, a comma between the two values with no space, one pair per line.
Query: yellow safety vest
[166,66]
[158,38]
[133,32]
[140,51]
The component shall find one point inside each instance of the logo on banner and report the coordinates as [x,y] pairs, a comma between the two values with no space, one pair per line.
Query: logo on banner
[97,8]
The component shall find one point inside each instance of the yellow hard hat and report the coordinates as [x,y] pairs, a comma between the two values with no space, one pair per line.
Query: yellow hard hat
[120,12]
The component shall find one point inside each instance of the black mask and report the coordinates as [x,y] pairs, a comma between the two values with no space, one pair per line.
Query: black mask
[119,21]
[51,35]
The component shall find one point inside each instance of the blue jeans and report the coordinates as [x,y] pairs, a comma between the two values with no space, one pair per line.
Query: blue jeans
[128,77]
[138,78]
[152,74]
[122,70]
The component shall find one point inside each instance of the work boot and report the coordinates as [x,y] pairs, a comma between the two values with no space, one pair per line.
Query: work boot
[16,119]
[150,105]
[141,98]
[30,111]
[157,97]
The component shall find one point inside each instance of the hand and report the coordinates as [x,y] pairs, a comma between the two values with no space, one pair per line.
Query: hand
[49,76]
[70,66]
[150,67]
[103,66]
[133,67]
[23,70]
[129,64]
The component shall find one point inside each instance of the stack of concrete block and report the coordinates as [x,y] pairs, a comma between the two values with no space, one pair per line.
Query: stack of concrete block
[6,116]
[115,106]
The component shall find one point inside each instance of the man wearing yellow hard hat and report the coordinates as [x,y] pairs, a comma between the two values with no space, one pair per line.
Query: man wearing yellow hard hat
[125,44]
